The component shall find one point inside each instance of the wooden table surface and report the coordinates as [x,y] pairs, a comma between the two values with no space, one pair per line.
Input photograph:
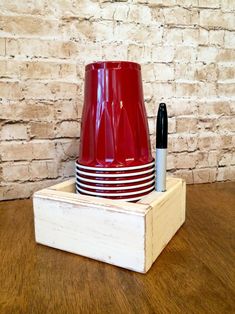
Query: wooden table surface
[194,274]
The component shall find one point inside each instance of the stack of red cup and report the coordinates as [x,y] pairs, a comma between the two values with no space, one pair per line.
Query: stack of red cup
[115,158]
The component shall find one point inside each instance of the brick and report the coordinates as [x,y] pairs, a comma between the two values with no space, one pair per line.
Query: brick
[204,175]
[187,175]
[187,3]
[190,37]
[14,131]
[17,171]
[25,190]
[232,107]
[226,159]
[152,125]
[27,150]
[155,3]
[87,30]
[226,173]
[90,53]
[43,169]
[68,109]
[2,46]
[157,15]
[185,89]
[139,53]
[207,89]
[22,7]
[39,48]
[68,129]
[227,5]
[139,34]
[179,143]
[180,106]
[27,111]
[67,169]
[208,124]
[163,72]
[226,73]
[83,9]
[163,54]
[67,149]
[47,70]
[177,15]
[114,52]
[209,141]
[226,89]
[216,107]
[10,90]
[185,54]
[207,54]
[171,125]
[107,10]
[209,3]
[203,37]
[148,91]
[226,124]
[227,141]
[170,165]
[186,124]
[184,71]
[42,149]
[216,37]
[163,90]
[209,19]
[49,91]
[148,72]
[28,25]
[229,40]
[40,130]
[137,14]
[185,161]
[207,159]
[226,55]
[206,72]
[173,36]
[9,69]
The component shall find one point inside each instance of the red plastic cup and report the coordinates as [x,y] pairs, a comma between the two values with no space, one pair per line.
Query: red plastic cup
[130,198]
[114,130]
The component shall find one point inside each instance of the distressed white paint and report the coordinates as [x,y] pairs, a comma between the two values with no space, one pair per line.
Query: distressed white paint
[129,235]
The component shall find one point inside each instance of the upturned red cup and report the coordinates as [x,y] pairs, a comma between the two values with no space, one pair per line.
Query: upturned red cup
[114,130]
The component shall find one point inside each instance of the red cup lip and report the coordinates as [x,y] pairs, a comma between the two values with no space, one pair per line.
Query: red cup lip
[114,188]
[117,181]
[118,65]
[132,198]
[133,163]
[117,168]
[117,193]
[114,175]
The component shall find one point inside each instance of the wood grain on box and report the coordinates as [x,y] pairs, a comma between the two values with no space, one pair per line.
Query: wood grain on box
[129,235]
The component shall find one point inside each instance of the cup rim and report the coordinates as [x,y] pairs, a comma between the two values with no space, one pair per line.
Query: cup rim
[132,199]
[152,163]
[129,187]
[112,65]
[116,182]
[122,175]
[114,194]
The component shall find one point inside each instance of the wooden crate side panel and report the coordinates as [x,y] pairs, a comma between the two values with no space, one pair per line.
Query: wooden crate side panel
[90,201]
[112,237]
[148,240]
[168,216]
[66,186]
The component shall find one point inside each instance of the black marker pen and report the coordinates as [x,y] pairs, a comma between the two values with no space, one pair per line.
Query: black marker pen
[161,148]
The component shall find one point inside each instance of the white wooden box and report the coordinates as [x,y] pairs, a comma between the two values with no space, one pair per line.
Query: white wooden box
[129,235]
